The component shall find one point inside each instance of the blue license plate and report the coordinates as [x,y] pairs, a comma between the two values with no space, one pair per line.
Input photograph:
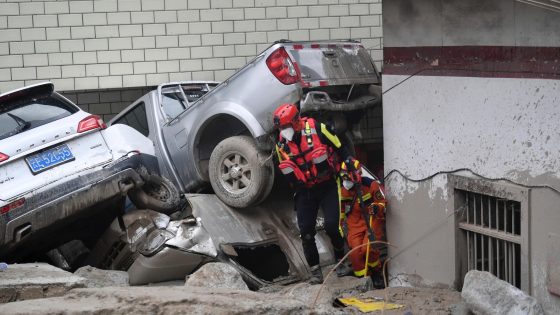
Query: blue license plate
[50,158]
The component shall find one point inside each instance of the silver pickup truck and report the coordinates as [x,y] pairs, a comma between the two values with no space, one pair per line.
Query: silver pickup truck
[224,138]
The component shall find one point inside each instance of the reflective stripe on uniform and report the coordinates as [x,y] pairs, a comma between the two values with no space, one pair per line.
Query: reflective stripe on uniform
[332,138]
[362,273]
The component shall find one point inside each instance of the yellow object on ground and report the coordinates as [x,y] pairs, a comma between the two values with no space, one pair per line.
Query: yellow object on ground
[368,305]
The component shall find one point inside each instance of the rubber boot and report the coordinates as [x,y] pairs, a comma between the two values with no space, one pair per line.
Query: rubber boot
[316,275]
[342,269]
[377,279]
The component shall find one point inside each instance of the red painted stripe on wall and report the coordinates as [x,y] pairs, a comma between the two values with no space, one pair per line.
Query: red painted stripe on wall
[474,61]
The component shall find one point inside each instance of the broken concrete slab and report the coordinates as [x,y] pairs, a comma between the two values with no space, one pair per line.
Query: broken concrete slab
[485,294]
[160,300]
[99,278]
[36,280]
[217,275]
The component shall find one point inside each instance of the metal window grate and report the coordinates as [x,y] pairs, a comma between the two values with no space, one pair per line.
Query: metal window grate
[492,232]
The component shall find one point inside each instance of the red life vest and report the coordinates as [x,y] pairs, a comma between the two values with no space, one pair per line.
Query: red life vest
[309,163]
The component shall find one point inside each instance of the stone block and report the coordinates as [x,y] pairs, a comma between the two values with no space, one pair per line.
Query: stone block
[134,80]
[155,79]
[118,18]
[234,38]
[120,68]
[201,52]
[243,3]
[287,24]
[198,4]
[20,21]
[177,28]
[244,26]
[97,70]
[153,29]
[200,27]
[485,294]
[217,275]
[276,12]
[255,13]
[110,31]
[109,56]
[318,11]
[82,32]
[329,22]
[296,12]
[144,67]
[22,48]
[45,20]
[73,71]
[159,54]
[224,51]
[132,55]
[142,17]
[165,16]
[32,8]
[59,58]
[9,8]
[299,35]
[175,4]
[57,7]
[28,73]
[70,19]
[211,15]
[190,65]
[130,30]
[35,34]
[218,4]
[233,14]
[30,60]
[69,45]
[81,6]
[190,40]
[212,39]
[213,63]
[96,44]
[98,278]
[111,82]
[167,41]
[167,66]
[105,6]
[10,35]
[86,83]
[49,72]
[222,27]
[121,43]
[129,5]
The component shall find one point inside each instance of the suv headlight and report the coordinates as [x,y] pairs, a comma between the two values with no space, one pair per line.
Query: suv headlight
[154,242]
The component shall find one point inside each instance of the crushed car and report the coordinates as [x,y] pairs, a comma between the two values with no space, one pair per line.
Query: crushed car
[223,139]
[61,167]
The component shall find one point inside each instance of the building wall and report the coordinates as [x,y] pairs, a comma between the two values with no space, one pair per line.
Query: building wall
[471,87]
[88,45]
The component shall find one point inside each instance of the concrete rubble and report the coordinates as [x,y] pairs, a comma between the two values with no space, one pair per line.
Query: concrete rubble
[21,282]
[202,296]
[99,278]
[485,294]
[217,275]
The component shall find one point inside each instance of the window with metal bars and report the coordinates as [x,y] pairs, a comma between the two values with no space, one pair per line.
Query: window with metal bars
[492,230]
[493,236]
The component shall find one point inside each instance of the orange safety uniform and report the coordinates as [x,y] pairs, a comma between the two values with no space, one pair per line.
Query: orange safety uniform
[354,226]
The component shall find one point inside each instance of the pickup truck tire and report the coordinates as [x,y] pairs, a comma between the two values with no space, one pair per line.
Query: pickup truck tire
[240,174]
[158,193]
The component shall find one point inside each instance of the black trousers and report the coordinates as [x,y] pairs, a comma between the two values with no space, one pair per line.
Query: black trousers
[307,203]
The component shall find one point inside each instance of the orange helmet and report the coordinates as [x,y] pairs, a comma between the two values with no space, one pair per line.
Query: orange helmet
[286,114]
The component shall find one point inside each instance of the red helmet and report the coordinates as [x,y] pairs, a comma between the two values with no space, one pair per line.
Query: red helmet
[286,114]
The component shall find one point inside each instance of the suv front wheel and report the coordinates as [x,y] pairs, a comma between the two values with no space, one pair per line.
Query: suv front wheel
[240,174]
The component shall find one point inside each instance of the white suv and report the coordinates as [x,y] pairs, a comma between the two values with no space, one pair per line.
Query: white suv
[57,161]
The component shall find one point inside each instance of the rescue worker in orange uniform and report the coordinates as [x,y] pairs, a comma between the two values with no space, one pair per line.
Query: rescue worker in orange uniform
[309,154]
[362,220]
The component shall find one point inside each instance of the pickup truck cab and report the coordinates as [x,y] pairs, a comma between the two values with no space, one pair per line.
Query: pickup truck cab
[225,137]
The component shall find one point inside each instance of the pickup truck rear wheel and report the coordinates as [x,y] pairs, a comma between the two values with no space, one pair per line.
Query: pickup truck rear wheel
[158,193]
[240,174]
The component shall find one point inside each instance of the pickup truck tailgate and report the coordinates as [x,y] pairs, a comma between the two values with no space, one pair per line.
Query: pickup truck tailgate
[333,63]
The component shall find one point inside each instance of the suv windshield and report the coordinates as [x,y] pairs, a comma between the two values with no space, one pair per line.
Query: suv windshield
[23,115]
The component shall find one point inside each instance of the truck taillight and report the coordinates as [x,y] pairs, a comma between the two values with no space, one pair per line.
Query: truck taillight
[11,206]
[91,122]
[3,157]
[282,66]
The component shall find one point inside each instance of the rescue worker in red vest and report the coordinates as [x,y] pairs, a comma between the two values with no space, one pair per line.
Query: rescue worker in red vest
[309,153]
[362,220]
